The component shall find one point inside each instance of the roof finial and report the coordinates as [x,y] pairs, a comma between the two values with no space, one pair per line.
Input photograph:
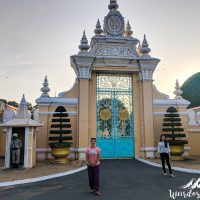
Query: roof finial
[128,31]
[178,92]
[98,30]
[113,5]
[22,112]
[45,89]
[144,49]
[84,43]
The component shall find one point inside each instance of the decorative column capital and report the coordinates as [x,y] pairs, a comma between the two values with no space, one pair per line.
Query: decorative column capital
[147,67]
[82,66]
[146,75]
[83,72]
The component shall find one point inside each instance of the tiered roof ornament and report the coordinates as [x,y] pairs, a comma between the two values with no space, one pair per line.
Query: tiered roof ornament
[23,117]
[144,49]
[98,30]
[113,46]
[84,43]
[114,22]
[113,5]
[178,92]
[22,112]
[128,31]
[45,89]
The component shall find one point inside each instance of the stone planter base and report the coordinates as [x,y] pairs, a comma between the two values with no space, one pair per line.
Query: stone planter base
[176,152]
[60,154]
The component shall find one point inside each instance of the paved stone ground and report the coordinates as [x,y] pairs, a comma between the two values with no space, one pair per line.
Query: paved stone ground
[193,162]
[42,168]
[49,167]
[120,180]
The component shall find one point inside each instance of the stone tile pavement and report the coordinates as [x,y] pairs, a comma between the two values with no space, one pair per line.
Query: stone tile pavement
[119,180]
[42,168]
[193,162]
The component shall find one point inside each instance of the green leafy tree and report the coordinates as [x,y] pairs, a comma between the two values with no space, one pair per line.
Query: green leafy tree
[172,123]
[13,103]
[3,100]
[191,90]
[60,129]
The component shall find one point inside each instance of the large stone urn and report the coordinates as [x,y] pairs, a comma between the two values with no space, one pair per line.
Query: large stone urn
[60,154]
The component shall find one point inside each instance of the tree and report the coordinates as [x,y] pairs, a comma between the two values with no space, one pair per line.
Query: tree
[3,100]
[59,127]
[172,123]
[191,90]
[13,103]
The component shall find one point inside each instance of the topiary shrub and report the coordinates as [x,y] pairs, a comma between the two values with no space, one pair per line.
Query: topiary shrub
[60,129]
[172,123]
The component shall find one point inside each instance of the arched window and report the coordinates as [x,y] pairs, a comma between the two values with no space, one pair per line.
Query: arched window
[60,109]
[171,110]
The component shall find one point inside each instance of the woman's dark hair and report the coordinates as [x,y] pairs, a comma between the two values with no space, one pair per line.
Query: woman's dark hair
[93,139]
[165,141]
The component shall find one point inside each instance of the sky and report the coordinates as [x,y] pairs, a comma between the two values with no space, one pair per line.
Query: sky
[37,38]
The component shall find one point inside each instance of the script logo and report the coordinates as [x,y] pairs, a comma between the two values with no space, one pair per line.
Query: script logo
[188,190]
[194,183]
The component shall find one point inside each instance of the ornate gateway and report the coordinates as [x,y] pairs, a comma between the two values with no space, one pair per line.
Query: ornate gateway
[115,115]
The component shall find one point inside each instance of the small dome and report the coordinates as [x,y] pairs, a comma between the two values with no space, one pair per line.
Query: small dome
[191,90]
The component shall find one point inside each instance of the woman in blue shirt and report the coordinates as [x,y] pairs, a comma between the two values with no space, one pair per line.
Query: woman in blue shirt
[164,151]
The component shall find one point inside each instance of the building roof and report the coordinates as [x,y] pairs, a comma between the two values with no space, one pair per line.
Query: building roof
[22,118]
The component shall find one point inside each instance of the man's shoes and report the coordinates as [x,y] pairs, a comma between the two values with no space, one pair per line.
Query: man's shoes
[165,174]
[92,191]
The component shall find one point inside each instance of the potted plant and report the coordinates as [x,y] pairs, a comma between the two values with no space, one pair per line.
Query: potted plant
[172,123]
[60,142]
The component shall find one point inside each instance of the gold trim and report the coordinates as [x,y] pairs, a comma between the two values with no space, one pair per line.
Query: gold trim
[123,114]
[105,114]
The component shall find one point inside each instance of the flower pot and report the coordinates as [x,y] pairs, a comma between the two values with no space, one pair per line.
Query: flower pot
[176,152]
[60,154]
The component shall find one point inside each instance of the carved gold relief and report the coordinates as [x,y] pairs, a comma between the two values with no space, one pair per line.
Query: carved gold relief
[123,114]
[105,114]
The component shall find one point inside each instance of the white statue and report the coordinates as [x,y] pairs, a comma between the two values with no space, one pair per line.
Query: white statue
[192,118]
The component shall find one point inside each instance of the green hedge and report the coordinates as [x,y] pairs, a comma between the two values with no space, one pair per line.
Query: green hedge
[60,145]
[60,120]
[172,119]
[172,124]
[172,129]
[60,131]
[58,138]
[61,126]
[171,115]
[176,135]
[177,142]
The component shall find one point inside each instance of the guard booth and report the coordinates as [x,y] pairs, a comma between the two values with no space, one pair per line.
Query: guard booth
[26,128]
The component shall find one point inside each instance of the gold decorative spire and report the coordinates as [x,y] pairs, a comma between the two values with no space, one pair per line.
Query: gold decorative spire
[128,31]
